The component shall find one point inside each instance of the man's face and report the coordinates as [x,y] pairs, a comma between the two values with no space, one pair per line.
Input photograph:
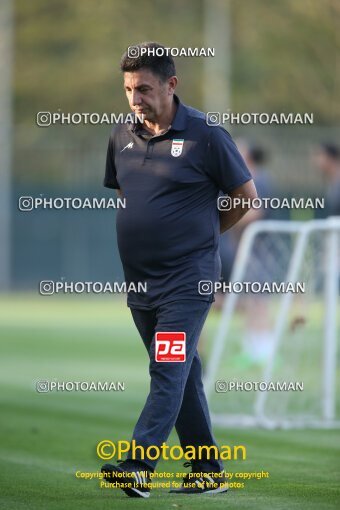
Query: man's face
[323,162]
[147,94]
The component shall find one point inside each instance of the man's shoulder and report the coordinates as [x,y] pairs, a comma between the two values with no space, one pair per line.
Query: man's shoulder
[196,119]
[193,113]
[201,120]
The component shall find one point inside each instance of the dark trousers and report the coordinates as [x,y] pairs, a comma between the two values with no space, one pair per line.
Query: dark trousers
[176,395]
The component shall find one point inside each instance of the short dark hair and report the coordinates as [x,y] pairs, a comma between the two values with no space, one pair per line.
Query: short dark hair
[258,154]
[160,63]
[331,150]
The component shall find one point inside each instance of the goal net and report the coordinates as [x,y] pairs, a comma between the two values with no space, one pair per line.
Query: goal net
[273,357]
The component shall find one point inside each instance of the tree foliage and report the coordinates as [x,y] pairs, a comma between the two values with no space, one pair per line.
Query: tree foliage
[284,53]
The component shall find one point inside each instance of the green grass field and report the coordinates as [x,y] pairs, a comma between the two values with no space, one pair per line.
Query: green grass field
[47,437]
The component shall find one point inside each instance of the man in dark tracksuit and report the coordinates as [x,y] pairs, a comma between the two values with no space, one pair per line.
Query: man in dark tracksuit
[171,168]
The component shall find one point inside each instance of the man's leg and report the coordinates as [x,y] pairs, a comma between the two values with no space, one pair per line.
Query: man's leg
[168,380]
[193,423]
[145,322]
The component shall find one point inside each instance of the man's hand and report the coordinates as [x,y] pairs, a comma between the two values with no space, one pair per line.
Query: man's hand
[229,218]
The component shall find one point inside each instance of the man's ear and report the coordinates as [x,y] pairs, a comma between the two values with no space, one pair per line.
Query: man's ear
[172,84]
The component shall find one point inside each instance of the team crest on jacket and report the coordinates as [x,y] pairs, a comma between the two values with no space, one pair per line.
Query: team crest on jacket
[176,147]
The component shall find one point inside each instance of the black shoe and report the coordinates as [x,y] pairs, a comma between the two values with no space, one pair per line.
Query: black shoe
[134,481]
[202,482]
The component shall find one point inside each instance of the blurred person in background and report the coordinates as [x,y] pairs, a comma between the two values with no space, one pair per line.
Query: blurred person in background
[327,159]
[257,340]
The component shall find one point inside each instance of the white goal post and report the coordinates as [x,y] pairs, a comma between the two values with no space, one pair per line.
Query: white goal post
[324,265]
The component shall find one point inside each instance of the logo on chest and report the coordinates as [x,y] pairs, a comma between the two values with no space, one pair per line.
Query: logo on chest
[176,147]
